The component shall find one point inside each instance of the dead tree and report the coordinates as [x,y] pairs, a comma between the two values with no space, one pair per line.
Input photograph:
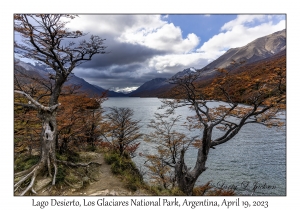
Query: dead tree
[121,131]
[265,98]
[47,40]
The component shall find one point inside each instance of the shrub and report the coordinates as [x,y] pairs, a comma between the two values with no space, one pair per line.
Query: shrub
[110,158]
[123,166]
[24,162]
[61,173]
[69,155]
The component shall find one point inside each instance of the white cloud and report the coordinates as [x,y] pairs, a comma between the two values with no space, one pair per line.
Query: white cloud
[115,24]
[164,63]
[176,62]
[241,20]
[125,90]
[147,30]
[174,51]
[239,35]
[166,37]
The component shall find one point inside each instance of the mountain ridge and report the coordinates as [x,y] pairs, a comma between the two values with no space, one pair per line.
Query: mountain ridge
[259,49]
[44,72]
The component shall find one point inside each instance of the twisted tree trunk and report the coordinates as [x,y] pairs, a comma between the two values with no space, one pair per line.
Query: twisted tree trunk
[48,140]
[44,40]
[47,149]
[186,178]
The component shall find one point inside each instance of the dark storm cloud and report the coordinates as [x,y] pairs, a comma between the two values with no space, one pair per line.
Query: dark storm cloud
[130,70]
[112,82]
[153,74]
[132,75]
[127,63]
[126,69]
[123,65]
[121,54]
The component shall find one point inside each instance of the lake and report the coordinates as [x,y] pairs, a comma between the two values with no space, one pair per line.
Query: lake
[253,162]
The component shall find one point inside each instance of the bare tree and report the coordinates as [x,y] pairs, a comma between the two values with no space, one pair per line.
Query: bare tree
[264,96]
[121,131]
[168,142]
[47,40]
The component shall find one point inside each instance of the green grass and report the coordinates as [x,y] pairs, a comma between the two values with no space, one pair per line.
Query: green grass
[126,169]
[69,156]
[130,175]
[24,162]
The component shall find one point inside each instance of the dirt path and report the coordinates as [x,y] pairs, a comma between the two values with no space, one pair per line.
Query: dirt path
[108,184]
[105,184]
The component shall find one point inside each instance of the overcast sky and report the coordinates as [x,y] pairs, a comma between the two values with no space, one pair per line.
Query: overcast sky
[144,47]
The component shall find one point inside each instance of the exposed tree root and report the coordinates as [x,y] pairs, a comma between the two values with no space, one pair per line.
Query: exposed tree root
[31,184]
[32,173]
[24,179]
[22,173]
[55,173]
[49,167]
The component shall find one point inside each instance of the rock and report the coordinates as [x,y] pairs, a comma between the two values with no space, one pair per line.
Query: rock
[113,192]
[42,183]
[103,192]
[109,193]
[85,179]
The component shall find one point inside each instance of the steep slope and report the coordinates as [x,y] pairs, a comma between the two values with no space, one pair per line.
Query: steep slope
[185,72]
[91,89]
[262,71]
[40,70]
[258,49]
[262,48]
[157,86]
[148,89]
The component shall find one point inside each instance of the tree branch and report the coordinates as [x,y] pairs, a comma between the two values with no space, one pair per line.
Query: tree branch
[30,106]
[37,104]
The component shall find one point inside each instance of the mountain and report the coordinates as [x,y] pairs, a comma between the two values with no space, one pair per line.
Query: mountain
[248,76]
[148,89]
[40,70]
[263,48]
[185,72]
[91,89]
[157,86]
[256,50]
